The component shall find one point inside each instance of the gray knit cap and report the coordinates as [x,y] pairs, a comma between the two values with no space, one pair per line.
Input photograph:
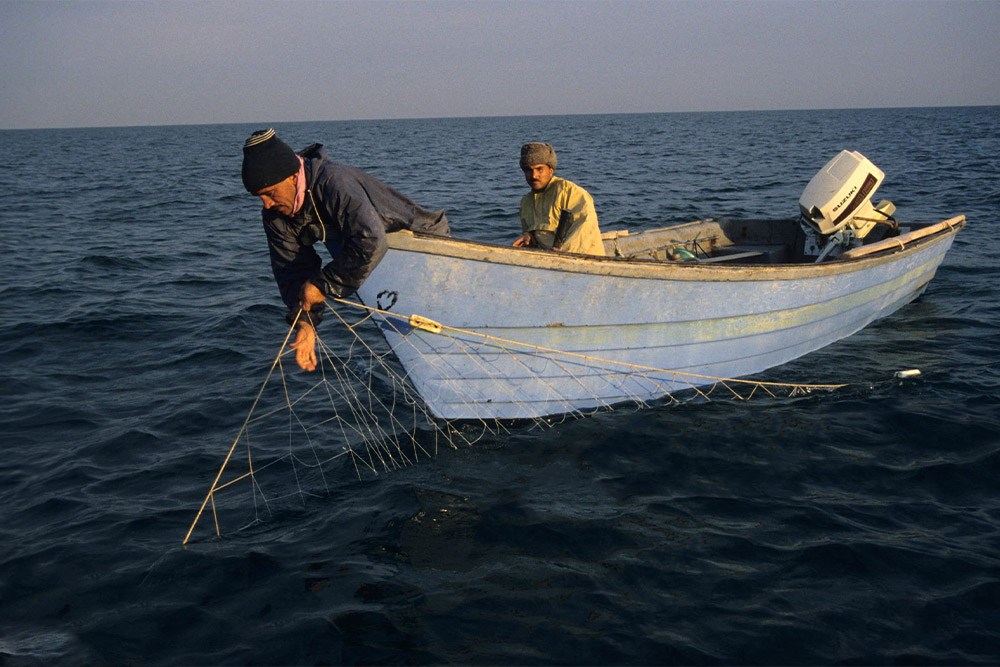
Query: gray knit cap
[537,153]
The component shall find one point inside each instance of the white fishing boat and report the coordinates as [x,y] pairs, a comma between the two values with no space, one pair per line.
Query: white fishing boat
[487,331]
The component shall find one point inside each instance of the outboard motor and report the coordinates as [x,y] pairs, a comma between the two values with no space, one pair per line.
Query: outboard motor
[837,212]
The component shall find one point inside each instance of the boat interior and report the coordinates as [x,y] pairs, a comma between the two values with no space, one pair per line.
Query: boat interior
[712,241]
[721,240]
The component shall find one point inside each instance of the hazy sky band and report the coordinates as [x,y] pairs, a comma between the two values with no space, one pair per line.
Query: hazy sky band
[67,64]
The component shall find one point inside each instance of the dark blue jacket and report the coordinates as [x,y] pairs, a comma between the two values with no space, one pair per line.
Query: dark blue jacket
[350,213]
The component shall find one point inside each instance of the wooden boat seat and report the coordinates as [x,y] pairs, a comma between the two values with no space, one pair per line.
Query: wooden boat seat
[749,254]
[732,257]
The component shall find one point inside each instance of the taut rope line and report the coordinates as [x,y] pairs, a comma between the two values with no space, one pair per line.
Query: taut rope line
[550,350]
[211,492]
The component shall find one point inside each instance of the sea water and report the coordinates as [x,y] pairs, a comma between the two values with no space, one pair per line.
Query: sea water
[139,318]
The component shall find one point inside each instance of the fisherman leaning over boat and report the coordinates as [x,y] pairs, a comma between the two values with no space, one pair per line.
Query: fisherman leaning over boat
[307,199]
[557,214]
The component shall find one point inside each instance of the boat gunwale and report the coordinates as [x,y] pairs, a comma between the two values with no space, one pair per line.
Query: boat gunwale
[493,253]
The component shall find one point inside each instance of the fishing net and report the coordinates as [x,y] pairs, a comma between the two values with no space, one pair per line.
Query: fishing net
[359,414]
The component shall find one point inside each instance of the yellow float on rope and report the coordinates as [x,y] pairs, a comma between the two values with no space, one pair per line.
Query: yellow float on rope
[425,324]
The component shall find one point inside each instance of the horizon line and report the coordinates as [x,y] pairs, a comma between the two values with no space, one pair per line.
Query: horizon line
[473,117]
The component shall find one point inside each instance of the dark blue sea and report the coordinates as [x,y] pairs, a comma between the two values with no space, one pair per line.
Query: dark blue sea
[139,319]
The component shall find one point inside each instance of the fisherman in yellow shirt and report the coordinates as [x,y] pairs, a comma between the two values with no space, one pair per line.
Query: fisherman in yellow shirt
[557,214]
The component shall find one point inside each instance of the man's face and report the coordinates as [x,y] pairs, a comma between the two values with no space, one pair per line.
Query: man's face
[280,196]
[538,176]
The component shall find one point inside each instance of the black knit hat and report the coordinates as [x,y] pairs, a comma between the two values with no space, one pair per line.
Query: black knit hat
[537,153]
[266,160]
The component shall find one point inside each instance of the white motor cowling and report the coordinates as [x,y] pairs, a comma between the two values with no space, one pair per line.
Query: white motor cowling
[836,204]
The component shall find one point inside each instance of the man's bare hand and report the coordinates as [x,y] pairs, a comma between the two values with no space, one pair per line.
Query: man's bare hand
[305,347]
[524,240]
[309,296]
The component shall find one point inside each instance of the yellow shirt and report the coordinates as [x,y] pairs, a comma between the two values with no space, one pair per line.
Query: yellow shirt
[567,201]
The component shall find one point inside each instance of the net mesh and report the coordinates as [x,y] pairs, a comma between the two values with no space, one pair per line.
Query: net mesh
[359,414]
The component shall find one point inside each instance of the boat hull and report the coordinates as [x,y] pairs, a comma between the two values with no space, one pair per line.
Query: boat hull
[528,333]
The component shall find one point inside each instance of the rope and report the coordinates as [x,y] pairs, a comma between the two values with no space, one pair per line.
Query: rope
[225,462]
[549,350]
[380,438]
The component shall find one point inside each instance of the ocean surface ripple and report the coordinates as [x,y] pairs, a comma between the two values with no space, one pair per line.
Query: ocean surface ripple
[860,526]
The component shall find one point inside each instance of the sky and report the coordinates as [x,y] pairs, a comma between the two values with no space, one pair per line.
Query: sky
[159,62]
